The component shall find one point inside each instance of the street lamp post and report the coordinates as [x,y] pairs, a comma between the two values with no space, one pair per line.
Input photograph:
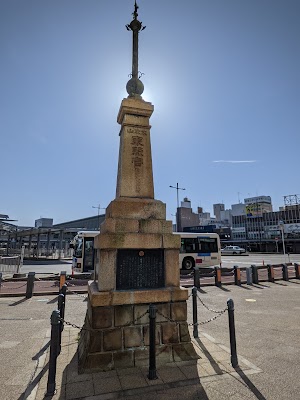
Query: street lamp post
[177,189]
[281,225]
[98,208]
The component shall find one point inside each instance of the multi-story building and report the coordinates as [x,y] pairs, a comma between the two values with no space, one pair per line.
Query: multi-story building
[264,232]
[217,210]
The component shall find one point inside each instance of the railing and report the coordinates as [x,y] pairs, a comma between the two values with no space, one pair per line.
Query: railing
[240,275]
[10,265]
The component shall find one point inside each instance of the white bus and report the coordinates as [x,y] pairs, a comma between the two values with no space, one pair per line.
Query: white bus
[199,250]
[83,251]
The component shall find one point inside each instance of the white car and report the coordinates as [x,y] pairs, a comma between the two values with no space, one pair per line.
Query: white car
[233,250]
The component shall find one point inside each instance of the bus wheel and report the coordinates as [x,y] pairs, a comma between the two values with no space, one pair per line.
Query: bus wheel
[188,263]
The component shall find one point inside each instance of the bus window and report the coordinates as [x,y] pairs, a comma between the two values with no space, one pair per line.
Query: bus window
[88,263]
[189,245]
[78,249]
[208,245]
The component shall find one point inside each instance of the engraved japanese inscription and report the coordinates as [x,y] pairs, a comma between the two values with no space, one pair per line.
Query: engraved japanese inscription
[140,269]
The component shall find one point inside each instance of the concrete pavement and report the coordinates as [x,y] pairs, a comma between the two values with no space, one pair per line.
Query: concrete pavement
[267,326]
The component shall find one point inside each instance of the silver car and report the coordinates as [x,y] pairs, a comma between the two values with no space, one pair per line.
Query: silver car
[233,250]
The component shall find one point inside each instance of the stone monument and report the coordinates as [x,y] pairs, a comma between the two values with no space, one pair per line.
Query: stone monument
[137,256]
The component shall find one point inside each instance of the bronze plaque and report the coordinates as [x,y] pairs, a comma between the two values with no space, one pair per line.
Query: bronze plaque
[140,269]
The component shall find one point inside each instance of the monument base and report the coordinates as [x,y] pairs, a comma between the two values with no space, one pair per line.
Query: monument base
[116,329]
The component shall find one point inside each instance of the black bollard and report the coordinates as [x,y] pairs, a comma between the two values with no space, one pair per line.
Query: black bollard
[234,359]
[270,273]
[197,277]
[30,284]
[63,290]
[61,310]
[195,314]
[54,346]
[152,350]
[297,270]
[0,279]
[237,275]
[254,274]
[285,272]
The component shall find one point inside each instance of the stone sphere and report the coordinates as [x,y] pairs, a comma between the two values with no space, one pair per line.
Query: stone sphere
[134,87]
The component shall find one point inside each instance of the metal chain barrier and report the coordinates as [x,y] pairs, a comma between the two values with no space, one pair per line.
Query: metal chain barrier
[209,320]
[93,330]
[209,309]
[13,288]
[167,318]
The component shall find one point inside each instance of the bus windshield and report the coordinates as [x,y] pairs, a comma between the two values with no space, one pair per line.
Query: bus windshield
[78,248]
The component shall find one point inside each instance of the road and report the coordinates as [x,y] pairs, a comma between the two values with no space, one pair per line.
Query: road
[44,267]
[258,259]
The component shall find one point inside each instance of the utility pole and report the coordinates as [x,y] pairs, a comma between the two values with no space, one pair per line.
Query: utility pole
[177,189]
[98,208]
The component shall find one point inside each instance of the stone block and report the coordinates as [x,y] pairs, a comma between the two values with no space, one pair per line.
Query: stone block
[133,337]
[184,352]
[170,333]
[140,310]
[123,315]
[123,359]
[184,332]
[136,208]
[137,120]
[112,339]
[151,296]
[96,342]
[141,357]
[178,294]
[116,225]
[155,226]
[147,337]
[97,362]
[164,309]
[164,355]
[171,241]
[172,270]
[107,269]
[122,240]
[102,317]
[179,311]
[137,107]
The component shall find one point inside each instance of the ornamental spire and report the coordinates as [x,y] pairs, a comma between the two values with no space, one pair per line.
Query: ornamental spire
[135,86]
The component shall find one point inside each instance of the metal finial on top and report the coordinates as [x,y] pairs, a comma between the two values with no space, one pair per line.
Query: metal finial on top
[134,86]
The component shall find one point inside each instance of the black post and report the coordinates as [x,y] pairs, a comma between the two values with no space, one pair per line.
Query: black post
[270,273]
[285,272]
[195,314]
[61,309]
[54,347]
[63,290]
[237,275]
[196,277]
[234,359]
[0,279]
[30,284]
[254,274]
[152,350]
[297,271]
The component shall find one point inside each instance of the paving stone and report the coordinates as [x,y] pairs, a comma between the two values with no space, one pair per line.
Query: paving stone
[107,385]
[133,381]
[76,390]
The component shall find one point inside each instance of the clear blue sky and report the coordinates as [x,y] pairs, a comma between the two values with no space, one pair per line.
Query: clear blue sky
[224,78]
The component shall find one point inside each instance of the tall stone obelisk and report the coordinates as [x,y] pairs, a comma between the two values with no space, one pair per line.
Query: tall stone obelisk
[137,256]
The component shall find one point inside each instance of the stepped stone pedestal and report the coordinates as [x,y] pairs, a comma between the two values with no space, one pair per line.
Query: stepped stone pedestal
[137,264]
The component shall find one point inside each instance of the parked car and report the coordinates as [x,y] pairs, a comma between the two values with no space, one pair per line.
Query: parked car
[233,250]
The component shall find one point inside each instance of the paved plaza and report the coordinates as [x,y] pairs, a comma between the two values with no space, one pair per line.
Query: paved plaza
[268,342]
